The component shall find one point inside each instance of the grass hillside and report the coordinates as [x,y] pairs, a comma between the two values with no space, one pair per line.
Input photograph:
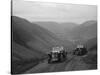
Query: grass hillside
[84,31]
[30,42]
[91,58]
[60,29]
[91,43]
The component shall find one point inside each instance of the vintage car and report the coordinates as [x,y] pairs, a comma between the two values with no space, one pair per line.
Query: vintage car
[57,54]
[80,50]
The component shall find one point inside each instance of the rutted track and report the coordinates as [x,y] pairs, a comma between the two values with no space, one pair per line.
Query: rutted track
[45,67]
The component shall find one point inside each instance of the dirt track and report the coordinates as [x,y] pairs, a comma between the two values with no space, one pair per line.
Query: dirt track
[71,64]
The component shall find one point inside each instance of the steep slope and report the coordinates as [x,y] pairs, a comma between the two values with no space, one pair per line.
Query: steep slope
[91,58]
[32,35]
[30,43]
[22,54]
[60,29]
[91,43]
[51,26]
[85,31]
[23,58]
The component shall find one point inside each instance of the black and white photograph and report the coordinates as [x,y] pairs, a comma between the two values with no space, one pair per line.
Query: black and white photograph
[52,37]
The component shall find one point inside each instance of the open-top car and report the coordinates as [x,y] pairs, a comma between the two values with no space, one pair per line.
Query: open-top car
[80,50]
[57,54]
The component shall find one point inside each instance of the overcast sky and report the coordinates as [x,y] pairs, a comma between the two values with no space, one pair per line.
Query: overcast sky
[43,11]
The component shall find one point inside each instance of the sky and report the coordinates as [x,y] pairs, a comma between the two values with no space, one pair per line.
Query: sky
[45,11]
